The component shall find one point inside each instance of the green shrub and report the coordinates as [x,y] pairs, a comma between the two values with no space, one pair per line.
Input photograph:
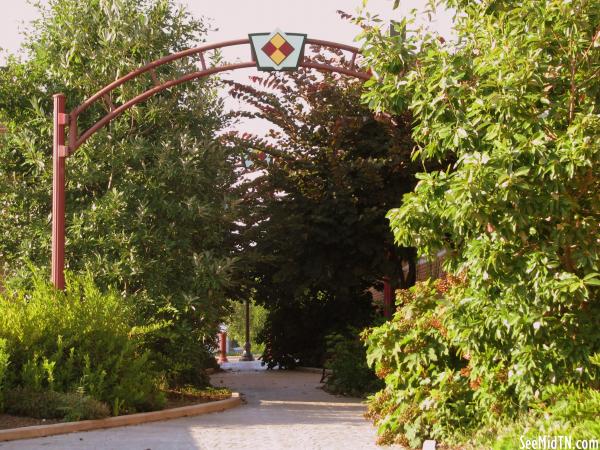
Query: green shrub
[427,391]
[70,406]
[4,358]
[183,351]
[441,386]
[80,340]
[565,411]
[347,360]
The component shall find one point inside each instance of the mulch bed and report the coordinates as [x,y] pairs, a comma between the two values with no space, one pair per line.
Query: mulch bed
[177,399]
[8,421]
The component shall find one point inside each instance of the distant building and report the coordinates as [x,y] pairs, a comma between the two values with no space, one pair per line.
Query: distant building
[431,268]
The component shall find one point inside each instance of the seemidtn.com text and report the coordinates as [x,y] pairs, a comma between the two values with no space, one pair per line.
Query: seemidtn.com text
[558,442]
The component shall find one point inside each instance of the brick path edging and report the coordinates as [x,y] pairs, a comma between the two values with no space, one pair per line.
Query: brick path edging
[119,421]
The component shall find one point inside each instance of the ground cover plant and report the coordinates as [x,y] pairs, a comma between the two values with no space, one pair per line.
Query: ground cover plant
[514,100]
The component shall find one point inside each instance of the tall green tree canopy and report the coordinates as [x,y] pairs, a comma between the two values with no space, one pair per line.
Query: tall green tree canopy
[147,196]
[515,101]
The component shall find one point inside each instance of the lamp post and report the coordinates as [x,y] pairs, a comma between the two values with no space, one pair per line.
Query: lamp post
[247,355]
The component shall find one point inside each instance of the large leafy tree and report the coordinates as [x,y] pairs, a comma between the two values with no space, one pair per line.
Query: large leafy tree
[147,195]
[314,234]
[515,100]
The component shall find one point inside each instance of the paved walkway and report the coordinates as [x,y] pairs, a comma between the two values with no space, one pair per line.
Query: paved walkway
[284,410]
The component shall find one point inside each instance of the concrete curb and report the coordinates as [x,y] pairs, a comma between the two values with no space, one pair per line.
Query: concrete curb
[119,421]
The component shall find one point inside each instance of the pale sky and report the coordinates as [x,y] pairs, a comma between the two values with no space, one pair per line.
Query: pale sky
[237,18]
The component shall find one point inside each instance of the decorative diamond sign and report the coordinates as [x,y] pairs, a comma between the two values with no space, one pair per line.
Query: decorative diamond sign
[277,50]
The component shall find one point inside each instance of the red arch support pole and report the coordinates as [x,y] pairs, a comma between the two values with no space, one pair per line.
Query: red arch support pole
[59,155]
[388,298]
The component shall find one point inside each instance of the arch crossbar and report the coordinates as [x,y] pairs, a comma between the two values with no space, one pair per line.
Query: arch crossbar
[63,120]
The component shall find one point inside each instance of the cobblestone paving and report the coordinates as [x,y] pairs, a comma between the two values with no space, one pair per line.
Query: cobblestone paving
[284,410]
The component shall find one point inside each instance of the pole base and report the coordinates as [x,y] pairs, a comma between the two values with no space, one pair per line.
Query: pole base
[247,356]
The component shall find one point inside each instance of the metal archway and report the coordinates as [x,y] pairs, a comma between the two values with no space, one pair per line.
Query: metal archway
[63,149]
